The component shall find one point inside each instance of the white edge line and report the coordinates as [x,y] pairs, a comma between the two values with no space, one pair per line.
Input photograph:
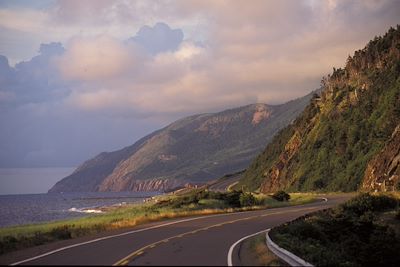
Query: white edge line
[118,235]
[230,263]
[136,231]
[237,242]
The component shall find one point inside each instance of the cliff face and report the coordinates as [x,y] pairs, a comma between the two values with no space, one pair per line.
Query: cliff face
[195,149]
[383,171]
[329,146]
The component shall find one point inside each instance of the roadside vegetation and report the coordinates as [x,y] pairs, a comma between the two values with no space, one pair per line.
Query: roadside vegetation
[195,202]
[365,231]
[256,250]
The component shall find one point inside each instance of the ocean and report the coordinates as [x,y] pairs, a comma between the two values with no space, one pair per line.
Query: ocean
[35,208]
[23,197]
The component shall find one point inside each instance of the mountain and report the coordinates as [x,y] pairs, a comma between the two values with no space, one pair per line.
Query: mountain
[195,150]
[346,139]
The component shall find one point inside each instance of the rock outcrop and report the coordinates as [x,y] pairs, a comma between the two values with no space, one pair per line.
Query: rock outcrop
[383,171]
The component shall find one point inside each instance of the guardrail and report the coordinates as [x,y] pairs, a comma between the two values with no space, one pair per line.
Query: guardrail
[285,255]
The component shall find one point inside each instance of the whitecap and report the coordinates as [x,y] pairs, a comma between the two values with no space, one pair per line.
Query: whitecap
[85,210]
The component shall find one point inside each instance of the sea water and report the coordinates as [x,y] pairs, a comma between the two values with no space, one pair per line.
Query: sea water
[35,208]
[23,197]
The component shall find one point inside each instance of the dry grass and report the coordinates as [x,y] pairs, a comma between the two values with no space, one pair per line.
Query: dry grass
[261,253]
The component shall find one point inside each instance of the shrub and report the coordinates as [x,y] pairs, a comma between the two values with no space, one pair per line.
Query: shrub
[398,215]
[212,203]
[281,196]
[8,243]
[233,198]
[369,203]
[247,199]
[62,232]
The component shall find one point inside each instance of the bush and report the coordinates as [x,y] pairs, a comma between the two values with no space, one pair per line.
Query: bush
[212,203]
[247,199]
[233,198]
[62,232]
[8,243]
[198,197]
[398,215]
[281,196]
[369,203]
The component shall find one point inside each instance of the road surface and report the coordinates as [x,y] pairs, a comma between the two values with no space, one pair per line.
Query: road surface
[203,240]
[222,185]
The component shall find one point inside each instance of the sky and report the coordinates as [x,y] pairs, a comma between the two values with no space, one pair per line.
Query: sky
[81,77]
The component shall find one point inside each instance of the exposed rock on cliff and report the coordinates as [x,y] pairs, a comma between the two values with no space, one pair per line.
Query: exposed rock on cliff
[383,171]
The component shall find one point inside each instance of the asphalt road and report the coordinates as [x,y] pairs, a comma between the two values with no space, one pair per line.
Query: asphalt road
[222,186]
[191,241]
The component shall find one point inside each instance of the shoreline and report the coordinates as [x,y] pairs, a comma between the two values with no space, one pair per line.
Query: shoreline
[27,209]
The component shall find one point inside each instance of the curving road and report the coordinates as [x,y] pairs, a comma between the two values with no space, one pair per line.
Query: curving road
[222,185]
[204,240]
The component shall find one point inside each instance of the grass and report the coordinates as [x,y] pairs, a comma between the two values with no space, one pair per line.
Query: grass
[262,256]
[196,202]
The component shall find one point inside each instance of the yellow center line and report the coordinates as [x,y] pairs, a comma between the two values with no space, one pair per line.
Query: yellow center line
[140,251]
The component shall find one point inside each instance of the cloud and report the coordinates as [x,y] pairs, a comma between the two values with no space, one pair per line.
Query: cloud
[98,58]
[33,81]
[78,12]
[157,39]
[25,20]
[6,72]
[270,52]
[194,56]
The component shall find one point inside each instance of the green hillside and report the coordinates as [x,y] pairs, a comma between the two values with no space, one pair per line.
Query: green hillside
[329,145]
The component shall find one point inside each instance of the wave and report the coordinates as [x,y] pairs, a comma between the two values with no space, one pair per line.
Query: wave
[85,210]
[97,209]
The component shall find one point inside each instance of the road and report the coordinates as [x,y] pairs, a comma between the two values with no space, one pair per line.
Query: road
[223,184]
[191,241]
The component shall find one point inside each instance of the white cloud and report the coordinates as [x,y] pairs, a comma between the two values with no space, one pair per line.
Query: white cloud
[187,51]
[24,20]
[97,58]
[263,51]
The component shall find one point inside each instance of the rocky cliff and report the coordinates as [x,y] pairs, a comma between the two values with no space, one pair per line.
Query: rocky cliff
[195,149]
[350,125]
[383,171]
